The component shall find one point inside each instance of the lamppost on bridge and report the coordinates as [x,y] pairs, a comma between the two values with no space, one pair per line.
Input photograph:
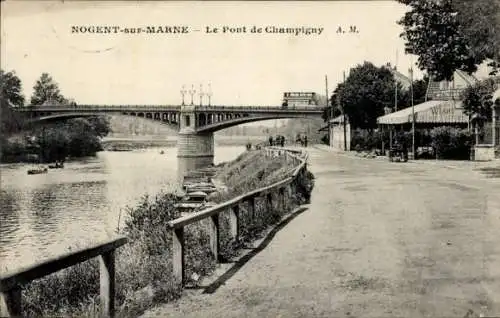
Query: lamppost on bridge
[192,91]
[183,92]
[209,94]
[201,94]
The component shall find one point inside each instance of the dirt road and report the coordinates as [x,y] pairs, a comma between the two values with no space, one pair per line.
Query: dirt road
[379,239]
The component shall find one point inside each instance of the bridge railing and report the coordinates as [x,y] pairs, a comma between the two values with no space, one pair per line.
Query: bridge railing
[11,283]
[282,188]
[149,108]
[257,108]
[124,108]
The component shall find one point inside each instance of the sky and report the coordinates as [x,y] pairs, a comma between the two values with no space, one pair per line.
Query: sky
[241,68]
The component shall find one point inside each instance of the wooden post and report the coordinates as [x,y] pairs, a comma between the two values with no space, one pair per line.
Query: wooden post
[107,281]
[178,254]
[282,199]
[214,236]
[10,303]
[234,222]
[269,202]
[494,125]
[251,208]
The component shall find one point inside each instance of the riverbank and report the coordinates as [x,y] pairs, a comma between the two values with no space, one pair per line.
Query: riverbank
[76,138]
[143,267]
[129,143]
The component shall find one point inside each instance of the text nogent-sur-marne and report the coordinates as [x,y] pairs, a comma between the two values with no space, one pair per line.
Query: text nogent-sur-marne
[110,29]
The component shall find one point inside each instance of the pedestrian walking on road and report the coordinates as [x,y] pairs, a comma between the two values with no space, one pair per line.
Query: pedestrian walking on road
[270,141]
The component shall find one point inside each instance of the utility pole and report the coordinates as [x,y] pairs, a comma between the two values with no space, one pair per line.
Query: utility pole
[326,102]
[412,114]
[396,85]
[344,122]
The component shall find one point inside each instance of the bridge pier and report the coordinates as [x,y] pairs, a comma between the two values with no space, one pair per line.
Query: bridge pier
[194,150]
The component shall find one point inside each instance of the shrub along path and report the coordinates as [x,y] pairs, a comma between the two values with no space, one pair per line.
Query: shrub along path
[379,240]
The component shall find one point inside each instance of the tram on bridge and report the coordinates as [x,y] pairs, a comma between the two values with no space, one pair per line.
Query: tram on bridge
[293,99]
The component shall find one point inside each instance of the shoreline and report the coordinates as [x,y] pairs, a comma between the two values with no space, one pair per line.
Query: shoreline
[130,143]
[140,142]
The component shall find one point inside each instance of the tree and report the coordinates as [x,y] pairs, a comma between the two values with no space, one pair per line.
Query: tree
[480,25]
[447,36]
[10,97]
[46,90]
[83,139]
[419,93]
[420,90]
[333,105]
[53,143]
[367,91]
[100,125]
[477,99]
[11,89]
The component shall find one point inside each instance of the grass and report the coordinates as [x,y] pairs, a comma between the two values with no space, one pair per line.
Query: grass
[144,266]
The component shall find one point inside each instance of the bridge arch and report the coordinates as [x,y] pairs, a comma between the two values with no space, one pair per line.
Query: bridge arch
[202,119]
[65,116]
[246,118]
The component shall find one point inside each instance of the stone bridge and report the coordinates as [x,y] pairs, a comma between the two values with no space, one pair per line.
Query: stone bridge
[195,124]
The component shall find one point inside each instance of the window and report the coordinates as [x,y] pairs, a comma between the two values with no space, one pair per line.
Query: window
[187,120]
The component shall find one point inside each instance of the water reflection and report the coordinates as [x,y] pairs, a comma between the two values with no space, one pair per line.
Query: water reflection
[9,224]
[43,215]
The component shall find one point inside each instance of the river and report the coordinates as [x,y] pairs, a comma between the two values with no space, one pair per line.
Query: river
[45,215]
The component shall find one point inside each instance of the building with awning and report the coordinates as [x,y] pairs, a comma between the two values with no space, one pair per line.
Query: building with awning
[430,113]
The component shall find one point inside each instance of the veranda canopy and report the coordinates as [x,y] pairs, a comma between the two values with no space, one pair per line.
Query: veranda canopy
[430,112]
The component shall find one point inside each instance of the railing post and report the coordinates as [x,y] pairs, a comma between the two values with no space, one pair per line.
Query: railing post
[251,208]
[214,236]
[10,303]
[269,202]
[107,282]
[178,254]
[289,191]
[234,222]
[282,199]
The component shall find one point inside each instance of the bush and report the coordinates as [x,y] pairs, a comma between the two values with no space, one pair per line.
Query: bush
[368,140]
[305,185]
[325,139]
[76,138]
[451,143]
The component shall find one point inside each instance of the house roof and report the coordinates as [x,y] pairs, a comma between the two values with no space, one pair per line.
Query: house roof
[401,78]
[434,111]
[470,79]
